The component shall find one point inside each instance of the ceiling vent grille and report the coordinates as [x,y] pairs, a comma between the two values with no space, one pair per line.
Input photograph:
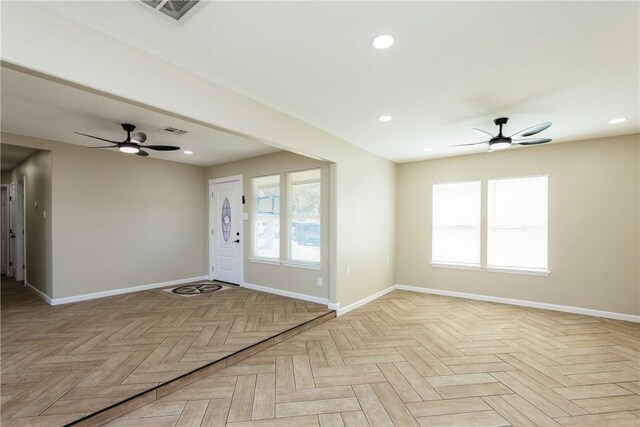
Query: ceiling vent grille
[175,9]
[174,130]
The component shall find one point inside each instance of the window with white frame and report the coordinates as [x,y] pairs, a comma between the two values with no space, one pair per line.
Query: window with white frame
[303,200]
[517,223]
[266,217]
[456,224]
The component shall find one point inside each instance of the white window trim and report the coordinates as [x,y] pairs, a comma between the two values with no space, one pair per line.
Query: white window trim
[252,221]
[291,264]
[526,271]
[448,264]
[302,264]
[271,261]
[454,265]
[310,265]
[519,270]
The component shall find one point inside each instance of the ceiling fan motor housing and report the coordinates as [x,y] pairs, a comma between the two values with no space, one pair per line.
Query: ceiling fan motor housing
[128,128]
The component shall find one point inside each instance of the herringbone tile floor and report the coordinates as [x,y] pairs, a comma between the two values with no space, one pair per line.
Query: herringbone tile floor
[411,359]
[60,363]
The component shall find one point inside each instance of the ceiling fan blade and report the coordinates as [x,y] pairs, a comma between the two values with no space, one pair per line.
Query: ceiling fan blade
[473,143]
[105,146]
[139,137]
[532,130]
[142,153]
[531,141]
[483,132]
[162,147]
[101,139]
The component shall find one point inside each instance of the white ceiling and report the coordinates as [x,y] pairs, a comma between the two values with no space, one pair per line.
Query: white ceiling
[455,65]
[44,109]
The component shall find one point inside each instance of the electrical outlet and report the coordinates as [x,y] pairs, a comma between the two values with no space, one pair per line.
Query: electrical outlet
[348,270]
[387,260]
[319,281]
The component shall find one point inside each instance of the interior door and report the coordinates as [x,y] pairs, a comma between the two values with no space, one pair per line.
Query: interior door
[226,229]
[12,233]
[19,261]
[4,231]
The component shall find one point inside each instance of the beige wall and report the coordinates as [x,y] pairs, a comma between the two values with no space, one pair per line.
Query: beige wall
[594,229]
[291,279]
[6,177]
[37,171]
[121,221]
[366,235]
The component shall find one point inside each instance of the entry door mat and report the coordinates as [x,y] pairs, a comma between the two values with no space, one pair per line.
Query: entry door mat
[196,289]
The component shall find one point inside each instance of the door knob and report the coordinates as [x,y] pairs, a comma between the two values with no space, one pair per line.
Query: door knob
[236,241]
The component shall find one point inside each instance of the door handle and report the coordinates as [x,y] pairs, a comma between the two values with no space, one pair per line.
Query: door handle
[236,241]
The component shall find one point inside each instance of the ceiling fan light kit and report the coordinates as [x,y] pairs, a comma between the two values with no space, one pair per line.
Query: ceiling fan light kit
[500,142]
[128,148]
[133,144]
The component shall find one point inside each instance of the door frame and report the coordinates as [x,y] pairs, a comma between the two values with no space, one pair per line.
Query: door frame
[213,182]
[23,184]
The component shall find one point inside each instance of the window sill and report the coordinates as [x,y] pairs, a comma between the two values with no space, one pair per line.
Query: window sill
[518,271]
[265,261]
[293,264]
[300,264]
[476,267]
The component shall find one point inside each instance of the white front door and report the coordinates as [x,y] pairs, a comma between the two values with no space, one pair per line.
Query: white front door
[226,249]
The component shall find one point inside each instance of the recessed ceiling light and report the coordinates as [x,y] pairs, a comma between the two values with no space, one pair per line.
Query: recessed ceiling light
[383,42]
[188,152]
[384,118]
[428,149]
[618,120]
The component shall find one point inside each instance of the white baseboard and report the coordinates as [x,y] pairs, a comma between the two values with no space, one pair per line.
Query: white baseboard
[38,292]
[334,306]
[304,297]
[102,294]
[524,303]
[363,301]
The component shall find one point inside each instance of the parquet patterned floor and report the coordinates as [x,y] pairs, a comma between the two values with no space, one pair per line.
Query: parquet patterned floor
[60,363]
[410,359]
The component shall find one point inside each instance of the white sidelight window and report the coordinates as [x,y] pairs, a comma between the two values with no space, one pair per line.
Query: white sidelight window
[266,217]
[517,224]
[303,200]
[456,224]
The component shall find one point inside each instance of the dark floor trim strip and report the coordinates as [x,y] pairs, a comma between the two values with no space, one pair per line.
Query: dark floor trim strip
[143,398]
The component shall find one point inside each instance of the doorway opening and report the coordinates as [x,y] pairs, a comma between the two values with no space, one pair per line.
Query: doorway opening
[4,216]
[14,230]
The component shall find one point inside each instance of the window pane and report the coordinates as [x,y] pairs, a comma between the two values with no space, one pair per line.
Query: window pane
[517,223]
[456,223]
[266,217]
[304,215]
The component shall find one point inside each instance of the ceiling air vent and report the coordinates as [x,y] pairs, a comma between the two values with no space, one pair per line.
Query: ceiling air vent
[175,9]
[174,130]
